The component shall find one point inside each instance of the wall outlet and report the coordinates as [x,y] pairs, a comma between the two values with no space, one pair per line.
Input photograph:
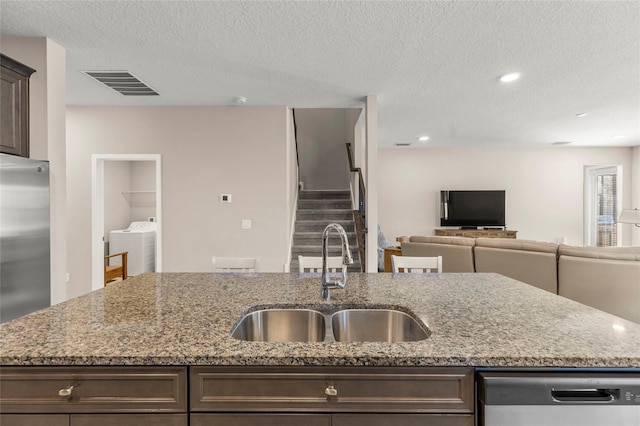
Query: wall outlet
[67,277]
[151,219]
[225,198]
[246,223]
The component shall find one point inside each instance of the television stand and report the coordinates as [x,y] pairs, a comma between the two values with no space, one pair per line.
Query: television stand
[477,233]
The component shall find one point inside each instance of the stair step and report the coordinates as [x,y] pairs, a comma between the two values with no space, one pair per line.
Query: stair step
[316,250]
[315,238]
[325,204]
[316,210]
[354,267]
[320,225]
[324,214]
[324,194]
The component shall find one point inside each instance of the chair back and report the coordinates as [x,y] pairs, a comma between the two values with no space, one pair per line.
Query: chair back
[234,264]
[112,272]
[420,265]
[313,264]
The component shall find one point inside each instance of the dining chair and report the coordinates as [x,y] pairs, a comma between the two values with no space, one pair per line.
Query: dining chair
[235,264]
[112,272]
[421,265]
[313,264]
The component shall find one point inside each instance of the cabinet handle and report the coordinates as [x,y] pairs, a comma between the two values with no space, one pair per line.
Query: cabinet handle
[66,392]
[331,391]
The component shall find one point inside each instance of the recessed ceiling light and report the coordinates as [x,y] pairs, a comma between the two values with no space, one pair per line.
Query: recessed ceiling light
[617,136]
[423,138]
[508,78]
[582,114]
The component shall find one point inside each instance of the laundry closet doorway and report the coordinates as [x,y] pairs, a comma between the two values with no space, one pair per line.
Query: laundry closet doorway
[126,189]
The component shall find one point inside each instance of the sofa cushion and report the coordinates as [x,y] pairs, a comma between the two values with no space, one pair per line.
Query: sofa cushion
[613,253]
[455,257]
[607,284]
[538,268]
[457,241]
[513,244]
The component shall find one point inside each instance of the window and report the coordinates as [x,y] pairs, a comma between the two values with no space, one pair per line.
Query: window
[602,205]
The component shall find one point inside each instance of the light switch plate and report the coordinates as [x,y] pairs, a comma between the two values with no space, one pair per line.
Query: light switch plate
[246,223]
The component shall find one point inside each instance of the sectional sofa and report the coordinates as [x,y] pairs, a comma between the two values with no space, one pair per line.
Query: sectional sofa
[606,278]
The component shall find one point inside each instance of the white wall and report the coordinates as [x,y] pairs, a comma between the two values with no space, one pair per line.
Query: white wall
[143,178]
[205,151]
[292,187]
[322,135]
[47,99]
[635,194]
[117,212]
[544,187]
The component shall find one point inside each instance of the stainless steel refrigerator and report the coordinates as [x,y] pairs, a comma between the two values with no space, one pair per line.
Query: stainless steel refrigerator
[24,236]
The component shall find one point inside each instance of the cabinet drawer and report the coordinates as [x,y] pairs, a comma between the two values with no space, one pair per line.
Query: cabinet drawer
[365,389]
[128,419]
[95,389]
[402,420]
[239,419]
[34,419]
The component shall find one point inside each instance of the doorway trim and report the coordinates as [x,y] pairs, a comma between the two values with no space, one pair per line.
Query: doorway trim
[590,195]
[97,211]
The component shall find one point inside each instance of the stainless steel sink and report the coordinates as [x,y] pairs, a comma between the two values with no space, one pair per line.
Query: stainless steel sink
[376,325]
[281,325]
[346,325]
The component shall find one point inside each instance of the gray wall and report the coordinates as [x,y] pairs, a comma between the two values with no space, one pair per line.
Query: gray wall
[205,151]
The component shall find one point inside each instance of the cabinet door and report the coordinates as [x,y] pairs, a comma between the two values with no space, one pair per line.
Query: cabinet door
[128,419]
[93,389]
[34,420]
[235,419]
[360,389]
[14,107]
[402,420]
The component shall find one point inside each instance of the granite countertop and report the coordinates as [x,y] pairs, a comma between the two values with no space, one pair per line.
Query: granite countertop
[186,318]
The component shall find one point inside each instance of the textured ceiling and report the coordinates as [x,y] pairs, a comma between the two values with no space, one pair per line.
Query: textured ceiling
[433,64]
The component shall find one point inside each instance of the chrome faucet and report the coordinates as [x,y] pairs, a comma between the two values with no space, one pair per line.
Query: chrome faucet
[347,259]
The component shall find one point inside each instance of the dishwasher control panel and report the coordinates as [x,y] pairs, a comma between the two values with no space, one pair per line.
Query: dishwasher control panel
[506,388]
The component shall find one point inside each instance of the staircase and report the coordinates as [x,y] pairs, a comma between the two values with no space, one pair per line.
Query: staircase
[317,209]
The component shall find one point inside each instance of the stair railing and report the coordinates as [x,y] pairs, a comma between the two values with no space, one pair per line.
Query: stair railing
[361,213]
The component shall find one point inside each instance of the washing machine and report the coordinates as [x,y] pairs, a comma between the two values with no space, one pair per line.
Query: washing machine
[139,239]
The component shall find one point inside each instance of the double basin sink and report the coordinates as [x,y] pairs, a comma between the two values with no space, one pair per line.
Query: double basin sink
[343,325]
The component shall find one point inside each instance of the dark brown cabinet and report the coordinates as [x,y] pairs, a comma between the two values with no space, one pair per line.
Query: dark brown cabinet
[350,396]
[236,396]
[34,419]
[14,107]
[96,396]
[243,419]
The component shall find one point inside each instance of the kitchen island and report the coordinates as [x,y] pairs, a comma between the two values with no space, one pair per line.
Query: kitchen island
[186,319]
[182,322]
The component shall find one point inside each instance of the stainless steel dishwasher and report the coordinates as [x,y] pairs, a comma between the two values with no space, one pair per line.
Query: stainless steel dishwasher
[558,399]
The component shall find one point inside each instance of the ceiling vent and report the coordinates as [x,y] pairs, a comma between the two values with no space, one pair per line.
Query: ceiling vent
[403,144]
[122,82]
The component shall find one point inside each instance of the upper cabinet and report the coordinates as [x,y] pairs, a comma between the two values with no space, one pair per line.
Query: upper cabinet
[14,107]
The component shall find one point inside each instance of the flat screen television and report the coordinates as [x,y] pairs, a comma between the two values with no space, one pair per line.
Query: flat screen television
[472,209]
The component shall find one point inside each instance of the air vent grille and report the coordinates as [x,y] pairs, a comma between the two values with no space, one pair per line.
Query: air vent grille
[122,82]
[403,144]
